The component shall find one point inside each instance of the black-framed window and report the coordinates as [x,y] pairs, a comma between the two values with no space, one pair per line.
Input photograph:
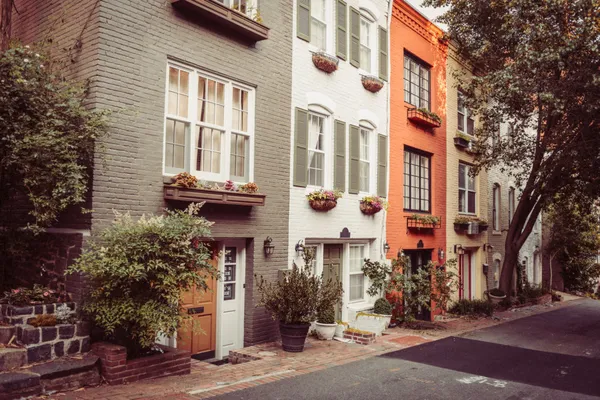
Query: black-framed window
[416,82]
[466,189]
[417,178]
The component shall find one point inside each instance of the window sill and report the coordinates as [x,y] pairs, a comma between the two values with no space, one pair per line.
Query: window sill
[496,233]
[360,305]
[179,193]
[225,16]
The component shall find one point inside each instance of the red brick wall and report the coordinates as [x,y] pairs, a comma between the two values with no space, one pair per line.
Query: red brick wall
[116,369]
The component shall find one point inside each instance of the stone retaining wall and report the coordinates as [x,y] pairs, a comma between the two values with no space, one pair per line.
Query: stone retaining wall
[117,369]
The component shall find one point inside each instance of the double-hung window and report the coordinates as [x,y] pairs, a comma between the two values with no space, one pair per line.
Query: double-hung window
[364,157]
[357,276]
[316,149]
[416,181]
[466,123]
[466,189]
[247,7]
[511,204]
[318,28]
[366,43]
[416,82]
[496,207]
[209,126]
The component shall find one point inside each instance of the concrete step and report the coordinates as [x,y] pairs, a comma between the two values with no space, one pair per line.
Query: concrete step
[12,358]
[16,385]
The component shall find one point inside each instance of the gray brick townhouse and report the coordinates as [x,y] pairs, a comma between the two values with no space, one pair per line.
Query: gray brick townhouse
[201,86]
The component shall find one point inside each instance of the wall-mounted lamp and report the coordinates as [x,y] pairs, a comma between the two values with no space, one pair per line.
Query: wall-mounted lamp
[441,254]
[488,247]
[386,247]
[400,253]
[299,248]
[458,249]
[269,247]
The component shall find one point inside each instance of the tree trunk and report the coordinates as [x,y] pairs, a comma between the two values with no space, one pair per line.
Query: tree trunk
[511,257]
[5,23]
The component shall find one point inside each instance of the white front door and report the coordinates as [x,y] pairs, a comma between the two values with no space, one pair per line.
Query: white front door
[231,299]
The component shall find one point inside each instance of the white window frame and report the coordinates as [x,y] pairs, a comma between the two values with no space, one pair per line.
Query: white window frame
[251,6]
[327,22]
[511,204]
[350,274]
[193,123]
[367,18]
[326,137]
[367,133]
[496,207]
[467,190]
[465,115]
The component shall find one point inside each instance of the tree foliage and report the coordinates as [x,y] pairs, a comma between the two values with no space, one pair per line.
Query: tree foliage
[138,270]
[536,68]
[48,134]
[575,242]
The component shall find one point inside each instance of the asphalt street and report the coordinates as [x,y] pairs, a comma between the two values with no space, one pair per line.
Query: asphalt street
[554,355]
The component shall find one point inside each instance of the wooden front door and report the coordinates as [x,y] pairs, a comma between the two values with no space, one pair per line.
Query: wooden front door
[332,268]
[198,333]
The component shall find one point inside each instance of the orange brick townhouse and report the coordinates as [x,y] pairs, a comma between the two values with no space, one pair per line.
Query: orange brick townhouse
[417,193]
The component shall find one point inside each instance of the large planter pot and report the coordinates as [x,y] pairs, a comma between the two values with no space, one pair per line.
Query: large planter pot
[293,336]
[369,209]
[388,319]
[322,205]
[325,331]
[495,299]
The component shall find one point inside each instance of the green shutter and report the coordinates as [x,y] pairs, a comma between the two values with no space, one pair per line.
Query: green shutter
[383,54]
[339,172]
[341,30]
[354,160]
[303,20]
[382,157]
[354,37]
[301,148]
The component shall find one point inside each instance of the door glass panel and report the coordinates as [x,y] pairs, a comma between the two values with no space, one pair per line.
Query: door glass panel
[229,273]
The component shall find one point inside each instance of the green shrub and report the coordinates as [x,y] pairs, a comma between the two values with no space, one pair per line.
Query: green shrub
[300,296]
[382,306]
[327,316]
[138,270]
[472,308]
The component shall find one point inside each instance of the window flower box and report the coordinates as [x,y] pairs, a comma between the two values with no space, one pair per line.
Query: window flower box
[418,222]
[470,225]
[462,142]
[424,117]
[325,62]
[228,18]
[190,194]
[372,83]
[323,200]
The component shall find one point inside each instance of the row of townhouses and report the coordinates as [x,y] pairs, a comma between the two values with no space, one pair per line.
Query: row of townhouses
[295,96]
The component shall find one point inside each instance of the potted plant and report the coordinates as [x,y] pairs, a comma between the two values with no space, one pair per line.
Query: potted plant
[295,299]
[370,205]
[371,83]
[325,62]
[323,200]
[325,325]
[384,308]
[341,326]
[496,295]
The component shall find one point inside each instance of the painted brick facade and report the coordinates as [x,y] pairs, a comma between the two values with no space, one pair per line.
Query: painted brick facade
[342,97]
[472,243]
[124,50]
[412,33]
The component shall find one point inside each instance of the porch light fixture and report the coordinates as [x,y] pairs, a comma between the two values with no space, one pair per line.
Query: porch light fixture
[400,253]
[488,247]
[441,254]
[458,249]
[386,247]
[299,248]
[269,246]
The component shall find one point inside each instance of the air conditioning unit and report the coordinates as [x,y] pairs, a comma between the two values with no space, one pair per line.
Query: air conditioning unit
[473,228]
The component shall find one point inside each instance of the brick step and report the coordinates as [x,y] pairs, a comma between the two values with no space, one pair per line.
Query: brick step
[12,359]
[49,342]
[58,375]
[6,333]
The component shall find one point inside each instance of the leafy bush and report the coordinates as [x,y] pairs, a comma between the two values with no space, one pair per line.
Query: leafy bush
[37,295]
[300,295]
[378,274]
[383,307]
[43,320]
[65,315]
[48,134]
[472,308]
[326,316]
[138,270]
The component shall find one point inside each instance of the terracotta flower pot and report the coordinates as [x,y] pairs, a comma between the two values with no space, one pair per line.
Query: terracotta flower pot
[369,209]
[322,205]
[325,62]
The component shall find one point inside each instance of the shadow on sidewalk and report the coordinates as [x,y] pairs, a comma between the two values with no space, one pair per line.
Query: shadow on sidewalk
[539,368]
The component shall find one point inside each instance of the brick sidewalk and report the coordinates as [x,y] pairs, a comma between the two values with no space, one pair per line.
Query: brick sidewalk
[207,380]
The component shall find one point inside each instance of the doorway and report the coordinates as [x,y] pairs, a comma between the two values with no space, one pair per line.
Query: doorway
[465,275]
[419,259]
[332,268]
